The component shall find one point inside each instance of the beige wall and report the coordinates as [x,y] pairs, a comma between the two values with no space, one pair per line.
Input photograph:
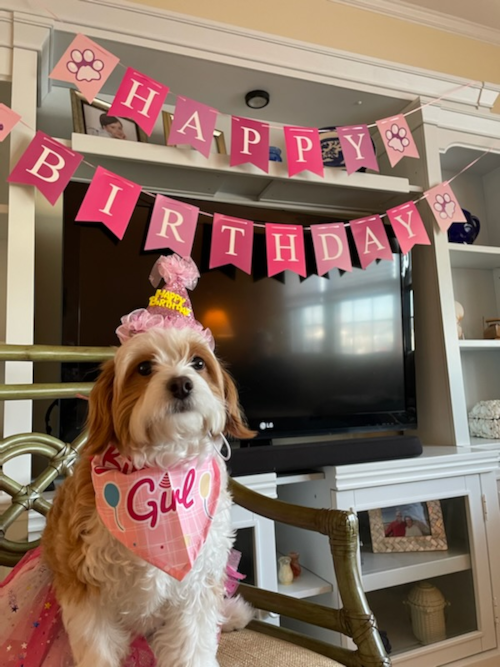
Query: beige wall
[342,27]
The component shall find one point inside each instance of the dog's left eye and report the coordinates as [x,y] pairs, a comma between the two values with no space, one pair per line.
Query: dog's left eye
[198,364]
[145,368]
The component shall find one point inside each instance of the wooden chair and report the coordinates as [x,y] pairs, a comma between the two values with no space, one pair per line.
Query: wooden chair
[260,644]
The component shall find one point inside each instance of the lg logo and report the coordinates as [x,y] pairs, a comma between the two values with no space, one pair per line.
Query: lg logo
[264,425]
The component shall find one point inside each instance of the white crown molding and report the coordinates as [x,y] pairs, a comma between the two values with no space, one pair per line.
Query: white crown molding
[427,17]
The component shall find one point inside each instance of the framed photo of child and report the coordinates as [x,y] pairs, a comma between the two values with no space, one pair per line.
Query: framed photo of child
[94,119]
[411,527]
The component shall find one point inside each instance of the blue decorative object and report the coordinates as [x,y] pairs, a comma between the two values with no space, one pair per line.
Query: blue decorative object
[464,232]
[275,154]
[331,150]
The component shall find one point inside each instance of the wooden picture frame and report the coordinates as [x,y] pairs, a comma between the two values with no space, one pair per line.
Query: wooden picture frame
[218,138]
[87,119]
[409,527]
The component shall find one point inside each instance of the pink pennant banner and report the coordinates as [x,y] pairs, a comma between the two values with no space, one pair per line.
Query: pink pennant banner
[285,249]
[357,148]
[249,143]
[193,124]
[303,150]
[331,247]
[139,98]
[408,226]
[46,164]
[232,243]
[173,225]
[8,120]
[85,64]
[444,206]
[371,240]
[111,200]
[397,138]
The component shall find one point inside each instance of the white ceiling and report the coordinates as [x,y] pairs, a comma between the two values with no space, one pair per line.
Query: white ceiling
[479,19]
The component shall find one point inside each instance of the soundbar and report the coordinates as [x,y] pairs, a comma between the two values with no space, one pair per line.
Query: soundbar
[256,458]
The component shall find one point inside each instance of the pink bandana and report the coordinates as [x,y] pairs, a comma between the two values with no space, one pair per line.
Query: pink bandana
[162,516]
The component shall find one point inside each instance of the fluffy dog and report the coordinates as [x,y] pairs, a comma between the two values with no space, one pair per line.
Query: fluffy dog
[164,399]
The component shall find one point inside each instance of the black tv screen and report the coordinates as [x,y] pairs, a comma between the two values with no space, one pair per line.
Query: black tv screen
[322,355]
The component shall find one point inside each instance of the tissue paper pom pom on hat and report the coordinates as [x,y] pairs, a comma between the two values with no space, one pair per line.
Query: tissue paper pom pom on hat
[170,306]
[138,321]
[175,269]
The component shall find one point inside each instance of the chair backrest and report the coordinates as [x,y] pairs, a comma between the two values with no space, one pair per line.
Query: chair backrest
[354,619]
[60,456]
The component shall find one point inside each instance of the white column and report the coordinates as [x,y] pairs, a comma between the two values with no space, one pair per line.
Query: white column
[21,254]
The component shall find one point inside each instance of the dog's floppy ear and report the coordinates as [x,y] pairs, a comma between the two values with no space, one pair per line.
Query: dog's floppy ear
[235,424]
[100,418]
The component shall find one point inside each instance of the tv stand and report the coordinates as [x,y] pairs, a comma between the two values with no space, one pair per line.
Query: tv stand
[258,458]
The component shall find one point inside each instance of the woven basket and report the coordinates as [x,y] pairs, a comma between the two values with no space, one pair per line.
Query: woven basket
[427,605]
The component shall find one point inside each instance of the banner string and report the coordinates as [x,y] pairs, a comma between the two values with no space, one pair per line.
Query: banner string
[280,127]
[308,228]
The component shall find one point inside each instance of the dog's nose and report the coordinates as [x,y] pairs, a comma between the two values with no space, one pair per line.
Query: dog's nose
[180,387]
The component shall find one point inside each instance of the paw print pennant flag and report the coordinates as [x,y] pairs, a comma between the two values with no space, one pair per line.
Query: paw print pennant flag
[444,206]
[397,138]
[8,120]
[85,64]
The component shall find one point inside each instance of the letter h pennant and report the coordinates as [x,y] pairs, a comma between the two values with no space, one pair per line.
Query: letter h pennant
[140,98]
[48,165]
[285,249]
[232,243]
[111,200]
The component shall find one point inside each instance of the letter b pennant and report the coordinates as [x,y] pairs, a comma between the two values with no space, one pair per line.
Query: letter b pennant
[46,164]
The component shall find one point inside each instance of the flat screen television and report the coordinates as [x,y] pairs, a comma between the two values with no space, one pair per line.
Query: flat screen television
[311,357]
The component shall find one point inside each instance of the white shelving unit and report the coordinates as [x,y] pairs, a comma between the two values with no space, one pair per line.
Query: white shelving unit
[461,572]
[307,585]
[386,570]
[188,173]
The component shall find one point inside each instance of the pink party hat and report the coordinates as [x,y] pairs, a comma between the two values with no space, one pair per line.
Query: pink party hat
[170,305]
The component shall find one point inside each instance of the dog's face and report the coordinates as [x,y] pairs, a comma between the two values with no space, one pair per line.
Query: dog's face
[162,399]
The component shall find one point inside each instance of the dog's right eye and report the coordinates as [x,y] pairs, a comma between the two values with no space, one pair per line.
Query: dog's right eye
[145,368]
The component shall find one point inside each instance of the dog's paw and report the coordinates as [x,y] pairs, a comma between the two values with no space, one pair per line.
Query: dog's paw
[237,614]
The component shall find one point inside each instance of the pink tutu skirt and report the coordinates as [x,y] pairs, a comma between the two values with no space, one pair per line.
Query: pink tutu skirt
[31,628]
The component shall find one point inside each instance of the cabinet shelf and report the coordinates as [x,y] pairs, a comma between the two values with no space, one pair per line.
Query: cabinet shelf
[478,344]
[188,173]
[306,586]
[393,569]
[463,256]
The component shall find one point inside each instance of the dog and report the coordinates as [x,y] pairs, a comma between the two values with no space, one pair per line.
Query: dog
[163,401]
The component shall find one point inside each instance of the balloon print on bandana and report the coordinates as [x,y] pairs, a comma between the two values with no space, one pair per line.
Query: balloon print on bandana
[205,481]
[112,496]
